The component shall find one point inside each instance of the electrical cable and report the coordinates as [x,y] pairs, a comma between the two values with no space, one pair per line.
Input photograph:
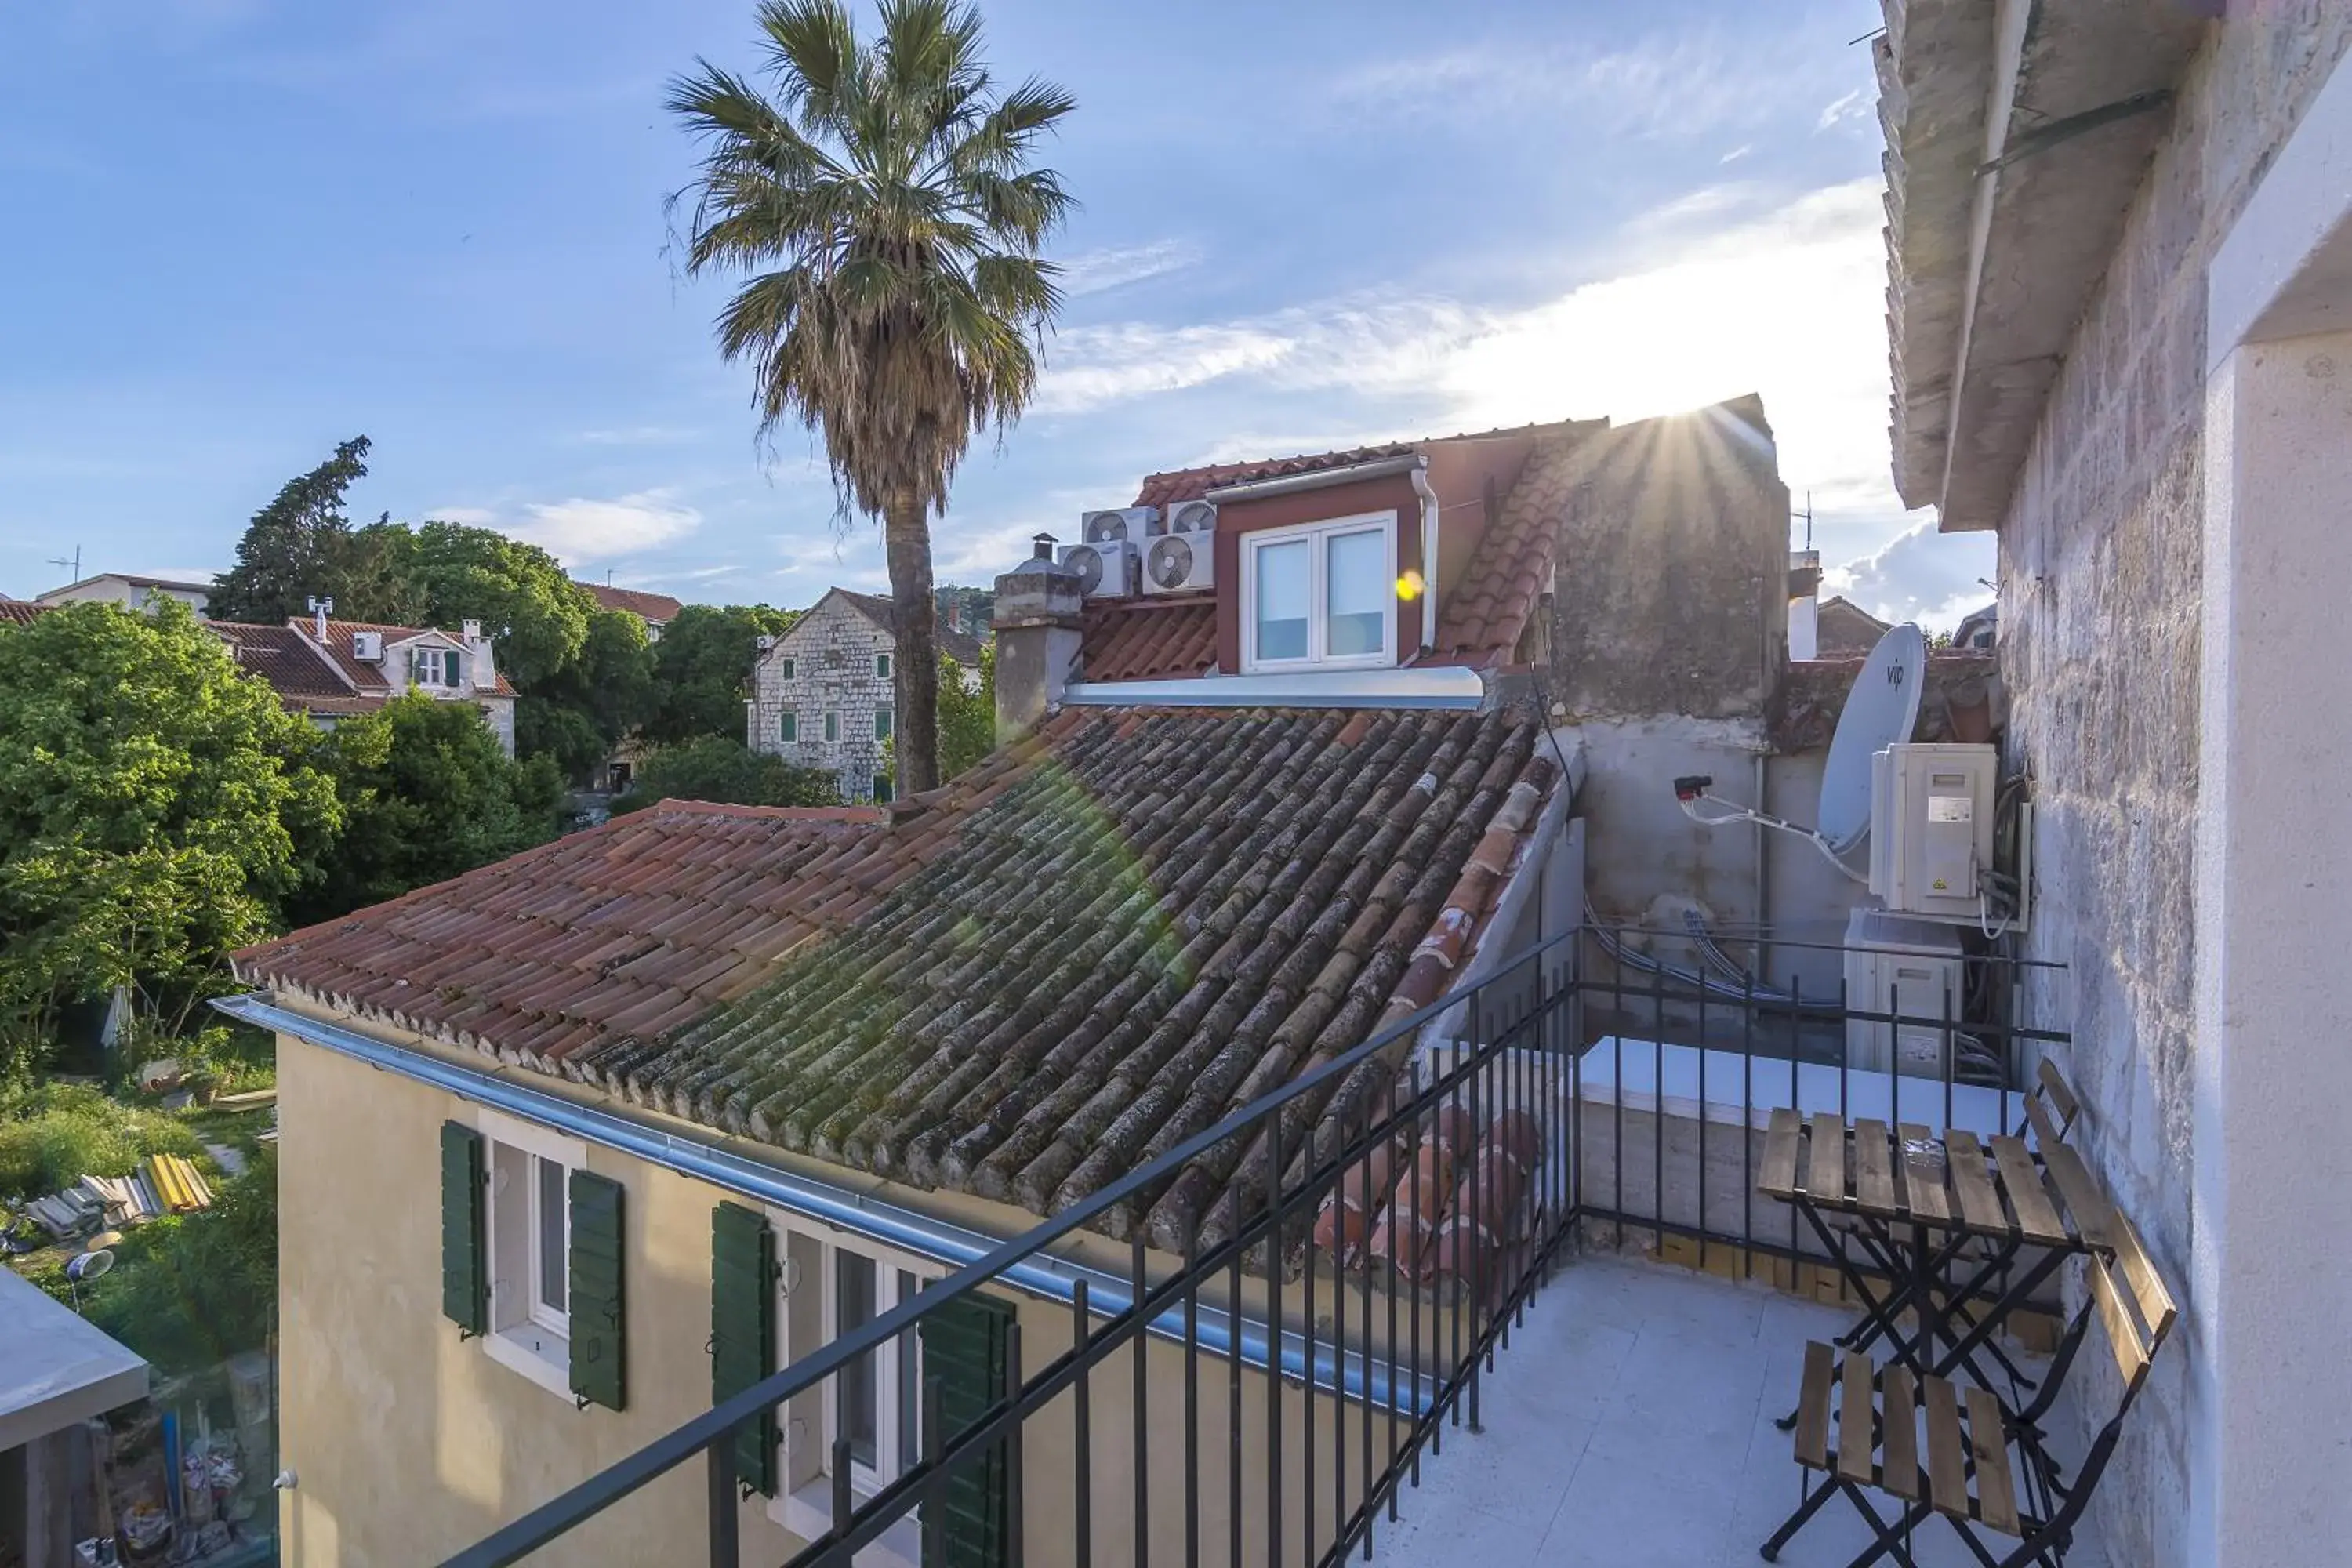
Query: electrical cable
[1735,812]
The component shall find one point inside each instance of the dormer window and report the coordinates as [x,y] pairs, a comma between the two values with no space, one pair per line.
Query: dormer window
[435,667]
[1320,597]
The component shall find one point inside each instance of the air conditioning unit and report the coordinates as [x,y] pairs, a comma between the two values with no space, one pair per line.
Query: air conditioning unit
[764,642]
[1185,517]
[1129,523]
[368,646]
[1179,562]
[1910,970]
[1106,569]
[1931,828]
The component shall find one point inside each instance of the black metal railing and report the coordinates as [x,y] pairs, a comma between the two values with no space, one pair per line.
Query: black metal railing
[1314,1289]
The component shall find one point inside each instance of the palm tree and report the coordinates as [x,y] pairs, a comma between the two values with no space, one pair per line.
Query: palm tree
[884,205]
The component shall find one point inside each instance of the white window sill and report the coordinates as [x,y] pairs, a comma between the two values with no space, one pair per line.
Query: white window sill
[808,1513]
[544,1358]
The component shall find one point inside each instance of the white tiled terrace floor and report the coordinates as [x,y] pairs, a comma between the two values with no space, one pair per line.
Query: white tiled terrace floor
[1629,1425]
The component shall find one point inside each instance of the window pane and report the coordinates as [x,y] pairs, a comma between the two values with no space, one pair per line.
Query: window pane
[881,666]
[852,1308]
[911,1387]
[833,726]
[881,723]
[554,1208]
[791,724]
[1282,595]
[1356,572]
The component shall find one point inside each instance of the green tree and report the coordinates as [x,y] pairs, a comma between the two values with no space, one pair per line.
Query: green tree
[885,206]
[426,795]
[157,807]
[301,546]
[702,668]
[582,711]
[967,714]
[520,593]
[717,768]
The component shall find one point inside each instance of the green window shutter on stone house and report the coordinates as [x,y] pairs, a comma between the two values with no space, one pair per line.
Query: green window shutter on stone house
[743,1330]
[465,1272]
[965,1354]
[599,1324]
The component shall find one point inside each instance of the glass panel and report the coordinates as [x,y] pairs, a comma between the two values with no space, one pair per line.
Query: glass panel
[833,726]
[1356,589]
[910,1387]
[853,1308]
[1282,595]
[881,723]
[554,1245]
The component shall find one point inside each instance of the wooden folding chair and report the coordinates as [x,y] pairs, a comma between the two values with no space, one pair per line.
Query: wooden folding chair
[1967,1467]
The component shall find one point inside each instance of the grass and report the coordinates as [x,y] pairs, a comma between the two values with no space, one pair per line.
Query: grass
[62,1133]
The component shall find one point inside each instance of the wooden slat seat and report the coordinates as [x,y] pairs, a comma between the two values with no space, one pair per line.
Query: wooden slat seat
[1874,1440]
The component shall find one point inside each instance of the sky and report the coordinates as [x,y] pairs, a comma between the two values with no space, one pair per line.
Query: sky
[239,231]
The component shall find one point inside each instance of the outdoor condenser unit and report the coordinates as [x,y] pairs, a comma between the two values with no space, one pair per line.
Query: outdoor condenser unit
[1911,969]
[1931,822]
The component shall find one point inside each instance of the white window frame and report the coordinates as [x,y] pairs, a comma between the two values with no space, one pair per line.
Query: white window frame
[885,723]
[808,1511]
[527,1335]
[1318,609]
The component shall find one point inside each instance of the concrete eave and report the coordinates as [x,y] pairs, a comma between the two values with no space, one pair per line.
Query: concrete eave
[1995,245]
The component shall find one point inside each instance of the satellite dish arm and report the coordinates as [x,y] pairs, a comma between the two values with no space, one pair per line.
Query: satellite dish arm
[1694,790]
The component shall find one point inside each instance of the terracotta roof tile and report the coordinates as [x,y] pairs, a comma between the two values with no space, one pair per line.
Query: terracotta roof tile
[283,657]
[655,608]
[1480,618]
[1091,945]
[1191,484]
[20,611]
[1144,639]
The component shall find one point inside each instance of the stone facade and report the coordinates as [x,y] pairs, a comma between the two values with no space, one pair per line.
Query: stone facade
[838,677]
[2100,567]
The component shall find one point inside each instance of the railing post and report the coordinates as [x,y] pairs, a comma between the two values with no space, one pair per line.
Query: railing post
[720,1458]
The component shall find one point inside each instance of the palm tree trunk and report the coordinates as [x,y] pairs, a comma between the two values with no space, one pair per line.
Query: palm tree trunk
[907,545]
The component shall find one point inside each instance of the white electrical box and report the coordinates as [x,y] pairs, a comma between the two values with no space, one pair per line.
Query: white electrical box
[1931,810]
[1911,970]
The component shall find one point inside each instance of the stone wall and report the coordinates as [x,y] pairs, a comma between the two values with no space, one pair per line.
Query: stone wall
[2101,562]
[831,650]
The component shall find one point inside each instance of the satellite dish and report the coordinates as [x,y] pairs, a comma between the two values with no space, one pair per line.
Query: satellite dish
[1880,711]
[88,1265]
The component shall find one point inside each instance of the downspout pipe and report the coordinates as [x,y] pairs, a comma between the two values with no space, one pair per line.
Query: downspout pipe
[1048,1278]
[1431,513]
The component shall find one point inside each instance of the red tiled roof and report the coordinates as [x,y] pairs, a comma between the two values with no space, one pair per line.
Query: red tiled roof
[1191,484]
[369,676]
[1092,944]
[290,661]
[1151,639]
[654,608]
[962,646]
[1479,619]
[20,611]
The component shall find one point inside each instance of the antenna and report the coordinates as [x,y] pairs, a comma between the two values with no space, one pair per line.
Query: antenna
[73,566]
[1881,710]
[1808,515]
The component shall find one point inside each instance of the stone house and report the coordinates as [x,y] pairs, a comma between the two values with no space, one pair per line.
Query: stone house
[656,610]
[824,695]
[2120,264]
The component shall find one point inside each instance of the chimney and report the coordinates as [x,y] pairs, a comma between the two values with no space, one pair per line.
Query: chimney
[1037,621]
[320,610]
[484,664]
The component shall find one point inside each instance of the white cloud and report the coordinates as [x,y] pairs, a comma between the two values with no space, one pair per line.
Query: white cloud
[1099,271]
[1919,576]
[581,529]
[1854,105]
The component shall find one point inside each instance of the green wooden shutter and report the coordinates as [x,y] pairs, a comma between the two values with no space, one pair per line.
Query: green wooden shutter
[599,1330]
[969,1524]
[465,1272]
[743,1330]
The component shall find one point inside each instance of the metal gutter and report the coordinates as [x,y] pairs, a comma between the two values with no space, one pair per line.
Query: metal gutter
[1449,686]
[1316,479]
[1052,1280]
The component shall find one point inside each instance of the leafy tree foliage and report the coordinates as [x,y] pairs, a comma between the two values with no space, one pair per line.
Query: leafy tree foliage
[703,665]
[189,1291]
[720,768]
[581,712]
[520,593]
[301,545]
[883,198]
[426,795]
[967,714]
[157,807]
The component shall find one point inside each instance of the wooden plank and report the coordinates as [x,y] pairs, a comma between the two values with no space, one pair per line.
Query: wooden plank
[2046,1135]
[2117,1322]
[2060,1095]
[1825,1160]
[2036,1216]
[1947,1474]
[1778,1177]
[1855,1439]
[2092,1214]
[1874,1175]
[1923,1174]
[1996,1490]
[1900,1442]
[1980,1204]
[1814,1408]
[2149,1290]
